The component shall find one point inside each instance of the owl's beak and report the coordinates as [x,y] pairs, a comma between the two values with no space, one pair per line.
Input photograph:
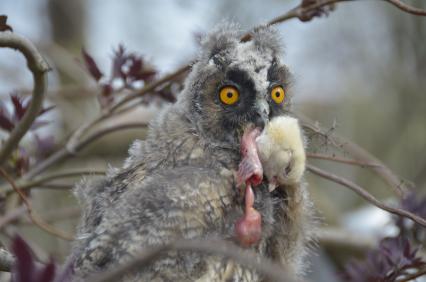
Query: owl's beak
[259,122]
[262,113]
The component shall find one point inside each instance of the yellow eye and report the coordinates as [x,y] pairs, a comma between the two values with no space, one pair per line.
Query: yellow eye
[278,94]
[229,95]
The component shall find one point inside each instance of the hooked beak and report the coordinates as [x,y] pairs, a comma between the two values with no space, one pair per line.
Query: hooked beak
[262,115]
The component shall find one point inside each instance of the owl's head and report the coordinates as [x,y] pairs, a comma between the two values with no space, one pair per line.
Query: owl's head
[235,84]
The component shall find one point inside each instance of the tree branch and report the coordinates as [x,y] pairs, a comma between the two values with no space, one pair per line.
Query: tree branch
[360,154]
[66,152]
[367,196]
[25,185]
[340,160]
[407,8]
[39,68]
[413,276]
[31,213]
[222,248]
[12,215]
[343,239]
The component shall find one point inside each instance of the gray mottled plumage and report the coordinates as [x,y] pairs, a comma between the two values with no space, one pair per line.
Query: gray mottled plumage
[180,182]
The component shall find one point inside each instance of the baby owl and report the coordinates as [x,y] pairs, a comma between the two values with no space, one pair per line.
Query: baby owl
[207,170]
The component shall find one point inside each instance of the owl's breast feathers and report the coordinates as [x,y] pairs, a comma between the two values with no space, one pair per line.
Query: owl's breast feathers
[174,184]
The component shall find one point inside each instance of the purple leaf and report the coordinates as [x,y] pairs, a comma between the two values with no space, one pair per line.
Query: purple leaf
[145,75]
[18,104]
[91,65]
[46,273]
[5,122]
[118,62]
[27,269]
[24,265]
[389,261]
[135,67]
[45,110]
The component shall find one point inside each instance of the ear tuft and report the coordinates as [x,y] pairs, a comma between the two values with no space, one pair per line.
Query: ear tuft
[267,38]
[224,36]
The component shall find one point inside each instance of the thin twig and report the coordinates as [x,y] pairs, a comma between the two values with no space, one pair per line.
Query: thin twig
[25,185]
[413,276]
[340,160]
[344,239]
[58,215]
[407,8]
[57,186]
[367,196]
[12,215]
[359,154]
[248,259]
[38,66]
[32,214]
[65,152]
[152,86]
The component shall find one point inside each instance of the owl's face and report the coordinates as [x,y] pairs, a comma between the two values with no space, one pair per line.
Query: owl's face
[236,84]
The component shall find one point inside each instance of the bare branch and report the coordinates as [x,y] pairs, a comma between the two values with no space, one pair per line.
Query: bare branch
[247,258]
[413,276]
[39,68]
[339,160]
[407,8]
[25,185]
[359,154]
[12,215]
[367,196]
[31,213]
[343,239]
[66,152]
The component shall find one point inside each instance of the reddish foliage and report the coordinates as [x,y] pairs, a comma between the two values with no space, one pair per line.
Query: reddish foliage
[9,120]
[128,69]
[91,65]
[28,269]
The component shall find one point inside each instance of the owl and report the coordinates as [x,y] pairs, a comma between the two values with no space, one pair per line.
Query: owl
[186,179]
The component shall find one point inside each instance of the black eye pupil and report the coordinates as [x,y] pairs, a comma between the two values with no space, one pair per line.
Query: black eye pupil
[229,95]
[277,94]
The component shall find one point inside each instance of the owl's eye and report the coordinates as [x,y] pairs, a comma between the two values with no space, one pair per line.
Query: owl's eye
[278,94]
[229,95]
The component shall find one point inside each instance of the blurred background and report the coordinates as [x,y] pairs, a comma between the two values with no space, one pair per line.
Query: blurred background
[361,72]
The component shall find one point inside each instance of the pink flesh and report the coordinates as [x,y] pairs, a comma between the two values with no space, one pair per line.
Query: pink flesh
[250,168]
[248,228]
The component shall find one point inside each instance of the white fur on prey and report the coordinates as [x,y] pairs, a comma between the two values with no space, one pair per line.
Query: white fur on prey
[281,151]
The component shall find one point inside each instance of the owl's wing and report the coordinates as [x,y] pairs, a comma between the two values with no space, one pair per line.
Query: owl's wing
[186,202]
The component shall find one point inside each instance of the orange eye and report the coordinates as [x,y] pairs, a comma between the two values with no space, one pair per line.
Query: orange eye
[229,95]
[278,94]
